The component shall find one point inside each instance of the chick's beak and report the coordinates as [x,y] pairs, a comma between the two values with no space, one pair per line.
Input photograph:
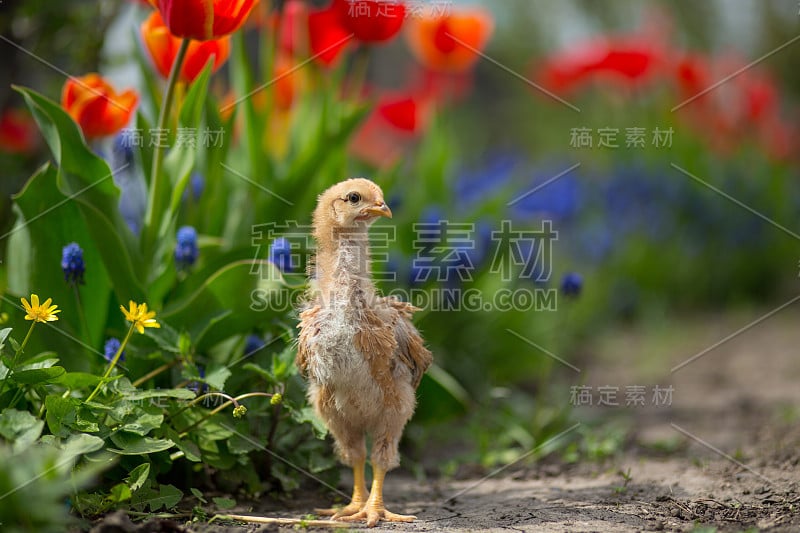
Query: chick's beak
[380,209]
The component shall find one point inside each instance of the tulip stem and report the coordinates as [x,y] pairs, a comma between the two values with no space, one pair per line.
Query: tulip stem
[155,204]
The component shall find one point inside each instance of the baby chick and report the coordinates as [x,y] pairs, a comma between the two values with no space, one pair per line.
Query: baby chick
[359,351]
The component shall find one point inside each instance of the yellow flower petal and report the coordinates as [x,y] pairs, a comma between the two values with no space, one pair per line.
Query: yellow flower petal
[40,313]
[140,317]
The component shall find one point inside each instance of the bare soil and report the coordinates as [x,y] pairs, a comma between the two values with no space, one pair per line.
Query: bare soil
[740,400]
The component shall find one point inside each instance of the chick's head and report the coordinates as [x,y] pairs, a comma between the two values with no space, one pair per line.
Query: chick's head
[351,203]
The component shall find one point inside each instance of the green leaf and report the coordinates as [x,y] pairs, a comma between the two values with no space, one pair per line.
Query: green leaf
[283,363]
[319,462]
[192,108]
[61,412]
[242,444]
[138,476]
[151,93]
[129,444]
[268,377]
[224,503]
[87,422]
[178,165]
[81,444]
[190,450]
[32,376]
[180,394]
[120,493]
[168,497]
[143,421]
[78,380]
[216,378]
[4,333]
[229,290]
[20,428]
[197,494]
[441,396]
[87,179]
[48,231]
[307,415]
[211,431]
[242,80]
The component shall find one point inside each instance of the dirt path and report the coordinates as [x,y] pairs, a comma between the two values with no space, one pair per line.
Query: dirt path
[741,398]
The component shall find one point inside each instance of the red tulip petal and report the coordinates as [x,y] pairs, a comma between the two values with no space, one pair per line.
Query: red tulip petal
[199,53]
[371,21]
[230,15]
[161,44]
[188,18]
[448,43]
[96,107]
[402,114]
[18,133]
[327,37]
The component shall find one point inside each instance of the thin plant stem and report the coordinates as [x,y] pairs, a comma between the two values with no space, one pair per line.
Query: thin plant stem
[113,363]
[155,203]
[81,314]
[231,401]
[359,72]
[276,418]
[154,373]
[24,343]
[17,397]
[14,359]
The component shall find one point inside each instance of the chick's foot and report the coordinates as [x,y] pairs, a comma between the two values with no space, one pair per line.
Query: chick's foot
[374,514]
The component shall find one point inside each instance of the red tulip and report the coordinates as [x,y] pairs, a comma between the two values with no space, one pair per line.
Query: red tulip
[18,133]
[760,96]
[402,113]
[370,21]
[204,19]
[96,106]
[163,47]
[392,128]
[692,74]
[327,37]
[630,61]
[448,43]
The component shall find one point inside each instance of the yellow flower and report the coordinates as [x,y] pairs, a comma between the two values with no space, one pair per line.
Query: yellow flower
[40,313]
[139,316]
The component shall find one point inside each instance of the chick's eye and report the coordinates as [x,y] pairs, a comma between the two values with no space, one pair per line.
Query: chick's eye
[354,197]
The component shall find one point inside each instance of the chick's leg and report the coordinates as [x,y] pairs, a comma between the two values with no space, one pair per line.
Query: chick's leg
[374,510]
[359,495]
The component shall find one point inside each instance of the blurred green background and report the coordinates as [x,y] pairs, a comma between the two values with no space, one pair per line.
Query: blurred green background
[653,231]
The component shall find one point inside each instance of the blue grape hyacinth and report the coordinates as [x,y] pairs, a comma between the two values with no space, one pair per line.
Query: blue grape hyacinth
[72,263]
[252,344]
[186,250]
[110,350]
[280,253]
[571,284]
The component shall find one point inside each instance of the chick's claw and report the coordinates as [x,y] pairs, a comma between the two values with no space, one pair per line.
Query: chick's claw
[349,510]
[338,512]
[374,514]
